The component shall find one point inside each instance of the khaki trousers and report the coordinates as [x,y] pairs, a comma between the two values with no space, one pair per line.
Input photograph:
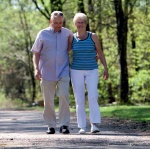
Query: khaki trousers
[48,91]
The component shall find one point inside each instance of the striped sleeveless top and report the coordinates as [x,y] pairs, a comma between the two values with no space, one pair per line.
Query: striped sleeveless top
[83,53]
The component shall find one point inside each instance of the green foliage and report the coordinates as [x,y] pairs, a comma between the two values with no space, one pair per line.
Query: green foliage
[20,22]
[139,56]
[14,84]
[140,87]
[136,113]
[7,103]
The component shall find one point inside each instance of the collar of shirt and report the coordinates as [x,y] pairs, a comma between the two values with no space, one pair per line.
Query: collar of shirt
[52,29]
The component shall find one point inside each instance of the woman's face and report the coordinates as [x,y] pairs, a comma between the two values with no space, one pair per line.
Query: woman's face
[80,24]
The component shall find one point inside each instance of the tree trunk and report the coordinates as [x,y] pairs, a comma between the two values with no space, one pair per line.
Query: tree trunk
[99,21]
[110,93]
[133,43]
[56,5]
[91,16]
[28,45]
[81,9]
[122,29]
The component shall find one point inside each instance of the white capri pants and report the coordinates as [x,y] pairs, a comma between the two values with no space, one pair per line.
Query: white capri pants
[79,79]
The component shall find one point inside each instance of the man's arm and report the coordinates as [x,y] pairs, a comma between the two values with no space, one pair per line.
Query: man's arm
[100,54]
[36,59]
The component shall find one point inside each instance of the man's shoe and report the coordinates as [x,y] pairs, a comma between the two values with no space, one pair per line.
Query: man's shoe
[94,128]
[50,130]
[64,129]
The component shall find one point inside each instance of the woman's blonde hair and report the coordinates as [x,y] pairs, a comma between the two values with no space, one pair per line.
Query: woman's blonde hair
[80,15]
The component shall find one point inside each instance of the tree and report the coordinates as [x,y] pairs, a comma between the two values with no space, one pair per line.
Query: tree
[28,44]
[129,77]
[17,79]
[80,4]
[54,5]
[122,30]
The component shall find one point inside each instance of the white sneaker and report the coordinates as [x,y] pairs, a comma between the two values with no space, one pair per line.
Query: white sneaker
[94,128]
[82,131]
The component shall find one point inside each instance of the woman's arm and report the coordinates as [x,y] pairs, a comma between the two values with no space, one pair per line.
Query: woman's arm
[70,43]
[100,54]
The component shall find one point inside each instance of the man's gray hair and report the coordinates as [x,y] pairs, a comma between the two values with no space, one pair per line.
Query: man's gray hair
[56,13]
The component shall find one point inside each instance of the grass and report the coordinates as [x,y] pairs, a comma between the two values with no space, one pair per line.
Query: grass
[136,113]
[139,113]
[11,104]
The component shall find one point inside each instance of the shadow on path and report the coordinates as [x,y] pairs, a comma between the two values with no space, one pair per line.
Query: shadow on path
[26,129]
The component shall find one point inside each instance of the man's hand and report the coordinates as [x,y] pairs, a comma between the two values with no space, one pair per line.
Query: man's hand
[96,58]
[37,74]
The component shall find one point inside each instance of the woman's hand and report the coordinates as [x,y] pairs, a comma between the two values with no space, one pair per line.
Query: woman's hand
[106,73]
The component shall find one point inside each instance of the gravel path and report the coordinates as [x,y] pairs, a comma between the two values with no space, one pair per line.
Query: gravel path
[26,130]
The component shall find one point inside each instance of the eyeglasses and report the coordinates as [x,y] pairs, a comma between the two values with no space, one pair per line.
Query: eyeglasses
[80,22]
[58,13]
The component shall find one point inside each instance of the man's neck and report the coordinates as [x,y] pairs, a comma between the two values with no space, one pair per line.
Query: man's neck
[56,31]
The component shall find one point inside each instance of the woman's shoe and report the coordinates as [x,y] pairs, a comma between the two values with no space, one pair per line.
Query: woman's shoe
[82,131]
[94,128]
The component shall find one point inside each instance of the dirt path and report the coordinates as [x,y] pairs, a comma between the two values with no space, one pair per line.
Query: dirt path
[26,130]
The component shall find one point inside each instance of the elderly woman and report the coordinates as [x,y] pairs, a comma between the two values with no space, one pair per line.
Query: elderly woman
[85,46]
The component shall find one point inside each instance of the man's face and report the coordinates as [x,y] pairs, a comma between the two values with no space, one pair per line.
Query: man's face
[57,23]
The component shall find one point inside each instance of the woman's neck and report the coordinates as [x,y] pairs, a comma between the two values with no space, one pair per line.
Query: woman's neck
[82,35]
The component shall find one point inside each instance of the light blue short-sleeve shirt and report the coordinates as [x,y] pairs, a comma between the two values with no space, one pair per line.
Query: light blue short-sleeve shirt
[52,46]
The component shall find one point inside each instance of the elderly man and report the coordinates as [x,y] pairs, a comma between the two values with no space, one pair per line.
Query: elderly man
[51,64]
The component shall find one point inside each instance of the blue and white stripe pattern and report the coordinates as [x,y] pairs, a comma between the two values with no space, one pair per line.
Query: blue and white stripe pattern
[84,53]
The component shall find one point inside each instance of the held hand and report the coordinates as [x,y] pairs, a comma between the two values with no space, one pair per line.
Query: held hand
[37,74]
[106,74]
[96,58]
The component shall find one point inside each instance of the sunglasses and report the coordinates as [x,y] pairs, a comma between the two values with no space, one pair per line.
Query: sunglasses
[58,13]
